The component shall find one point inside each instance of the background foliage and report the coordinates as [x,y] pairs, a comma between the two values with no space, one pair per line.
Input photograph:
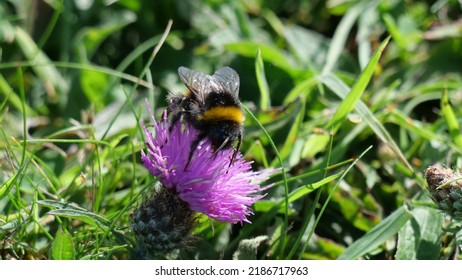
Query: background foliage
[355,118]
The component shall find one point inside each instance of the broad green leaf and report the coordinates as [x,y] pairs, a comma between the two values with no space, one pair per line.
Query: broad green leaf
[84,216]
[314,144]
[94,86]
[357,90]
[420,238]
[74,211]
[378,235]
[59,204]
[63,246]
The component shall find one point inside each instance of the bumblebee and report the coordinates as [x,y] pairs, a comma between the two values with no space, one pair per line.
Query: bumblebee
[211,104]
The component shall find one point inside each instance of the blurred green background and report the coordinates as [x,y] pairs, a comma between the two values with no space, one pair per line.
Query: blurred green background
[74,76]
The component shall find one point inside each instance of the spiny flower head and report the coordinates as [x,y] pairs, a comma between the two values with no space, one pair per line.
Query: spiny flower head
[445,188]
[208,184]
[162,224]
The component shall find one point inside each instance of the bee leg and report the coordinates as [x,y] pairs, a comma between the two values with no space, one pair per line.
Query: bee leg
[221,147]
[194,145]
[236,150]
[175,119]
[175,100]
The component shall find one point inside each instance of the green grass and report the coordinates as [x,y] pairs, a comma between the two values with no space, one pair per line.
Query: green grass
[353,100]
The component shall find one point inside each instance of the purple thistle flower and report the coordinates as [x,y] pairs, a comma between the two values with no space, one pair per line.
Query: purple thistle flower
[208,185]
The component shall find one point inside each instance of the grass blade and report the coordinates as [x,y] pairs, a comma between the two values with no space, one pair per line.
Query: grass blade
[340,36]
[451,119]
[47,72]
[358,88]
[341,89]
[378,235]
[265,102]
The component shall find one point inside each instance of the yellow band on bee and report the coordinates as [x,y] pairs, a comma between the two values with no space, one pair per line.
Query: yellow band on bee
[223,113]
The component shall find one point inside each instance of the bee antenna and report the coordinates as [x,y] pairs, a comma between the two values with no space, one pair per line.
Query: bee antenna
[233,158]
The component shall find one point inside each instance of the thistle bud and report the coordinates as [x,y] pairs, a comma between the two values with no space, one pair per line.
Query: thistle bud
[162,224]
[445,188]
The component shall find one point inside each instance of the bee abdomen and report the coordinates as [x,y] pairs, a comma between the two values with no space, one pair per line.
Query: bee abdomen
[223,113]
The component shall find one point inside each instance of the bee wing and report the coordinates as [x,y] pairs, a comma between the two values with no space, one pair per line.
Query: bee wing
[228,79]
[197,82]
